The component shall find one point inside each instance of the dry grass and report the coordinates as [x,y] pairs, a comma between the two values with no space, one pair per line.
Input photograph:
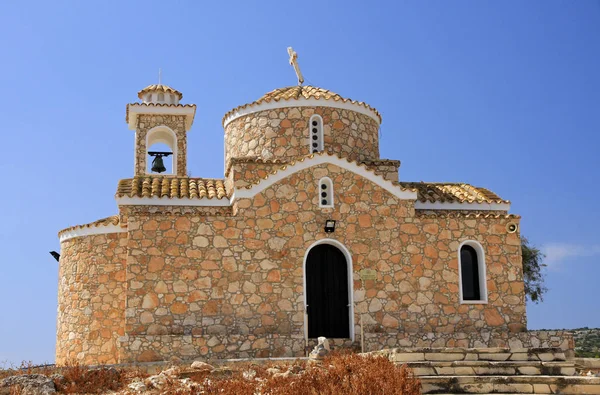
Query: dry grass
[344,373]
[350,374]
[74,378]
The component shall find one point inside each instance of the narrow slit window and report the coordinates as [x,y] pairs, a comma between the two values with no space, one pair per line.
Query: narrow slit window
[325,193]
[472,275]
[316,134]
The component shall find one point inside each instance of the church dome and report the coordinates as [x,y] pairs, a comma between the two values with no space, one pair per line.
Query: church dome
[160,94]
[290,94]
[295,121]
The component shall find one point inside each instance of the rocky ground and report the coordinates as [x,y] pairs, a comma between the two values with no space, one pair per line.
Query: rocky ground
[323,374]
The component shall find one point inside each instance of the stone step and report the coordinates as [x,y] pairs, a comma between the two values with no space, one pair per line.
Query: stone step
[474,354]
[491,368]
[510,385]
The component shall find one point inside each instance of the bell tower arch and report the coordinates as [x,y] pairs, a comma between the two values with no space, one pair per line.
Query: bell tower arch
[160,118]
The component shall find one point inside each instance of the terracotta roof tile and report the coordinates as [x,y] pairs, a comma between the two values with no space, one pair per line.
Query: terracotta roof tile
[301,92]
[381,162]
[452,192]
[460,214]
[172,187]
[160,88]
[112,220]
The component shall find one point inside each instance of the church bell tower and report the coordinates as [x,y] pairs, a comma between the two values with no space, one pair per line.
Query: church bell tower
[160,118]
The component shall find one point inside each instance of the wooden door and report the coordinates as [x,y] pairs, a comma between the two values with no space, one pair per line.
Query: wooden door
[327,292]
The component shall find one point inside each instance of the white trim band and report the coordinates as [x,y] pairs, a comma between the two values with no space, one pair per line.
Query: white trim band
[156,201]
[90,231]
[312,102]
[462,206]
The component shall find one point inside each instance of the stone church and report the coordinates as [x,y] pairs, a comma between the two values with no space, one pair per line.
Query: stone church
[309,233]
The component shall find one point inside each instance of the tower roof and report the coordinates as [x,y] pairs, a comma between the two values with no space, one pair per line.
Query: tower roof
[301,92]
[159,88]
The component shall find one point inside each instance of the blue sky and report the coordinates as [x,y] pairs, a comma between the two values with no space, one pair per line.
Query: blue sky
[498,94]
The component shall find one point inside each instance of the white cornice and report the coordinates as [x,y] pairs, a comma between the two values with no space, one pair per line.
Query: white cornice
[135,109]
[312,102]
[324,158]
[462,206]
[89,231]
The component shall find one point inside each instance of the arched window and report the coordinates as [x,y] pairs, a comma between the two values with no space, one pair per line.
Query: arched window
[161,97]
[316,133]
[325,192]
[472,273]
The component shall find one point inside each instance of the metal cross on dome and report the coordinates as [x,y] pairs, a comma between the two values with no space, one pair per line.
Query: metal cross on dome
[294,63]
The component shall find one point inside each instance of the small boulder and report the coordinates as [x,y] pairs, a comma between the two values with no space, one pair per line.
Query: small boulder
[201,366]
[137,386]
[171,372]
[321,350]
[28,384]
[249,374]
[158,381]
[273,371]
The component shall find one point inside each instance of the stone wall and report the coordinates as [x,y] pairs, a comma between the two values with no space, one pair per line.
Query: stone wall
[215,283]
[472,339]
[91,298]
[284,134]
[145,124]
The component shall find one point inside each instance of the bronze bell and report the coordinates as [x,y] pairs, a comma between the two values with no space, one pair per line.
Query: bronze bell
[157,165]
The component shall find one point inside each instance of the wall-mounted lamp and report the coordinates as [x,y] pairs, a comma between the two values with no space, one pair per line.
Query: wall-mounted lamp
[330,226]
[55,254]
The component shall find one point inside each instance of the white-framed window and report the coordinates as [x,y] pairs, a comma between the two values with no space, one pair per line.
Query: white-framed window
[472,273]
[161,97]
[315,133]
[325,192]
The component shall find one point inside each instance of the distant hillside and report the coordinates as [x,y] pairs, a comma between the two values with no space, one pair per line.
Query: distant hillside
[587,342]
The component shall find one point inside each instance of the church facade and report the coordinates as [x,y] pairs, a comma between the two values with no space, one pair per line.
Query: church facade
[309,233]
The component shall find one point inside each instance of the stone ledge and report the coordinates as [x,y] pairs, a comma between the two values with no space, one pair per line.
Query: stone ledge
[487,368]
[510,384]
[472,354]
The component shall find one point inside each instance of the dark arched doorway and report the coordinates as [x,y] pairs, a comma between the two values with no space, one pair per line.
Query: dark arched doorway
[327,292]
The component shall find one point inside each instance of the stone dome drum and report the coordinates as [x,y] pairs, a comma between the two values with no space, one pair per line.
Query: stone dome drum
[295,121]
